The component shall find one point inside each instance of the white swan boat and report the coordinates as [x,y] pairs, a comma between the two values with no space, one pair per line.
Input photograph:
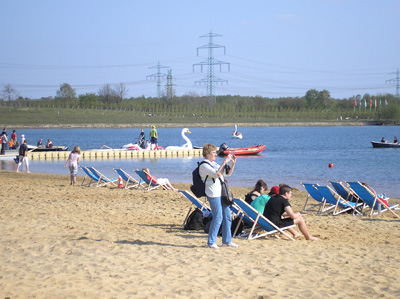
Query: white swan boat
[236,134]
[187,145]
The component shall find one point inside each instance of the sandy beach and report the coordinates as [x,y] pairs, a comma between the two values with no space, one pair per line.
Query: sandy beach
[59,241]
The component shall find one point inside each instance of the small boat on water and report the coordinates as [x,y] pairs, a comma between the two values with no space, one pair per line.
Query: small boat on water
[245,151]
[384,144]
[236,134]
[32,148]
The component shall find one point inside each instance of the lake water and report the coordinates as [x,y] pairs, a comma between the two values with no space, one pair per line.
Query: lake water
[293,154]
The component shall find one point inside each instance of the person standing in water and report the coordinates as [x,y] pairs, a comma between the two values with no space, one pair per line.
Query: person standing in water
[153,138]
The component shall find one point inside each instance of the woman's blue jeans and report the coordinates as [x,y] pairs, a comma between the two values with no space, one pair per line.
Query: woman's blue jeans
[221,213]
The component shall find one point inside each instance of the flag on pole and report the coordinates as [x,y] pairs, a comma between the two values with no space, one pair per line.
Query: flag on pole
[386,103]
[360,102]
[375,104]
[355,103]
[365,103]
[370,103]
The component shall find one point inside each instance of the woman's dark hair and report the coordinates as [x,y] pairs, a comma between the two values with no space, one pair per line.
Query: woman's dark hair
[259,184]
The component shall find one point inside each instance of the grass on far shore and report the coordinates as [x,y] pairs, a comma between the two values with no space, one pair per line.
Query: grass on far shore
[25,117]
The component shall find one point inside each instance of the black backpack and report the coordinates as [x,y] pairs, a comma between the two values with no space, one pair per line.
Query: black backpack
[199,187]
[194,221]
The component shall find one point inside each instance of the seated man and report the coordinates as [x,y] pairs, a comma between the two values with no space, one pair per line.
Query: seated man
[279,206]
[163,182]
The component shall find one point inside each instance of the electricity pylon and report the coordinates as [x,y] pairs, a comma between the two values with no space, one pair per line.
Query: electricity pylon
[396,80]
[169,86]
[210,80]
[158,76]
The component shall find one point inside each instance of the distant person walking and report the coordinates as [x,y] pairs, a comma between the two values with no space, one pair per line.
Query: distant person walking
[4,141]
[73,161]
[153,138]
[23,157]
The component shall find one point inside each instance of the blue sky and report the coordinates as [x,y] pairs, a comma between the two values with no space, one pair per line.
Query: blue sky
[275,48]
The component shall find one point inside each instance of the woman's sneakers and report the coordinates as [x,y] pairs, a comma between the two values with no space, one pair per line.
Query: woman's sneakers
[214,246]
[231,244]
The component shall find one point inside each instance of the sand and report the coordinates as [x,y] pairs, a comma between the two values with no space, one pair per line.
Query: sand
[59,241]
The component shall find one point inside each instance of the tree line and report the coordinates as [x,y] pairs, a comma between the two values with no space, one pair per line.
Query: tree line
[314,105]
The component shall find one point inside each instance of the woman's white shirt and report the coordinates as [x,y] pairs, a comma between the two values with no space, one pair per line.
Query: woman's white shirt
[213,184]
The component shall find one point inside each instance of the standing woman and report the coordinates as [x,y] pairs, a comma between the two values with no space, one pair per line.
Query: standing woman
[210,173]
[142,140]
[73,160]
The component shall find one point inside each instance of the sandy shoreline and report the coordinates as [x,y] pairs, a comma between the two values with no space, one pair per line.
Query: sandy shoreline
[59,241]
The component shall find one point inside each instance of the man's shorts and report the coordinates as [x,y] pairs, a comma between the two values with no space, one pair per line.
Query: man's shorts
[285,222]
[23,159]
[153,140]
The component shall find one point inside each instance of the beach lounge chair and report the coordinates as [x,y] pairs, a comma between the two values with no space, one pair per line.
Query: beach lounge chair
[102,180]
[129,181]
[313,193]
[149,184]
[333,198]
[343,191]
[89,176]
[370,198]
[258,219]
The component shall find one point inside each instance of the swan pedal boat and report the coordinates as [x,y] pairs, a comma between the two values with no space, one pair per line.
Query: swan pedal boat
[187,145]
[384,144]
[245,151]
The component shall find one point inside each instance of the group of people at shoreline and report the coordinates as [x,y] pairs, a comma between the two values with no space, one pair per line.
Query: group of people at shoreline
[275,206]
[7,143]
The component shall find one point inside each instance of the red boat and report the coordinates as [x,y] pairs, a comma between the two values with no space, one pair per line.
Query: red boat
[245,151]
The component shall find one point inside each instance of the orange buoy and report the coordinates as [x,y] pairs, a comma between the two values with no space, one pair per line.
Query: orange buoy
[330,165]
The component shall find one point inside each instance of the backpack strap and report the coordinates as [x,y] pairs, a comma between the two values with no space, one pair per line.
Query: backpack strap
[202,162]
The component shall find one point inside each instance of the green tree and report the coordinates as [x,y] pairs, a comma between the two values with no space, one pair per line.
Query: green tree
[66,92]
[88,100]
[323,99]
[311,98]
[108,95]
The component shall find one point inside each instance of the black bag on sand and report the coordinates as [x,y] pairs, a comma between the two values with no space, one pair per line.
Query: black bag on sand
[226,194]
[194,221]
[235,222]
